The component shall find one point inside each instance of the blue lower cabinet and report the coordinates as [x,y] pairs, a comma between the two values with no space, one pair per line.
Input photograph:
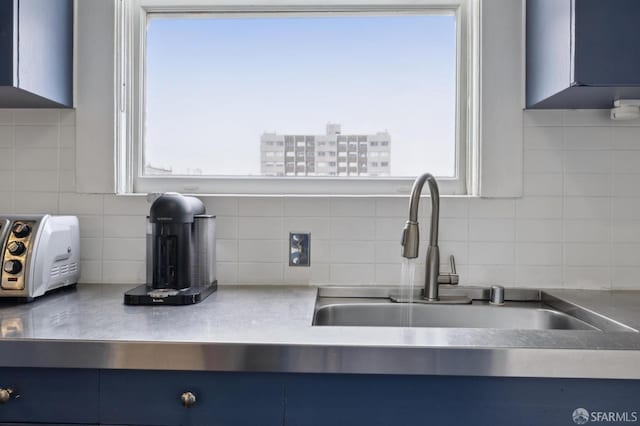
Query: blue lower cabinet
[130,397]
[440,400]
[49,396]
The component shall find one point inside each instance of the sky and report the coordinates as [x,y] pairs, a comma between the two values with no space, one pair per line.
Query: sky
[215,85]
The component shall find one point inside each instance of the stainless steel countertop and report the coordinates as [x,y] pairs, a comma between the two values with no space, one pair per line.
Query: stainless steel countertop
[268,328]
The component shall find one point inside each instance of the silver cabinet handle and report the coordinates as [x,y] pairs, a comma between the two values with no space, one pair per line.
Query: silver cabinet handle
[188,399]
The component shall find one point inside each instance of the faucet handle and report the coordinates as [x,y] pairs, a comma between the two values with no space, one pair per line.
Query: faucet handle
[452,277]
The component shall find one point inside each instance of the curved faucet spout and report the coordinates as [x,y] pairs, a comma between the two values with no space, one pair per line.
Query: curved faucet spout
[411,233]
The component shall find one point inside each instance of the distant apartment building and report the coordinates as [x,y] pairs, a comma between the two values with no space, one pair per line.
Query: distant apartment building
[331,154]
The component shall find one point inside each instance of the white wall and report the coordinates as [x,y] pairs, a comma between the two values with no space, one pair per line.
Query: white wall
[577,226]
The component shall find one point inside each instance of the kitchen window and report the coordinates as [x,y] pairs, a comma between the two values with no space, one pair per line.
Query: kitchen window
[212,94]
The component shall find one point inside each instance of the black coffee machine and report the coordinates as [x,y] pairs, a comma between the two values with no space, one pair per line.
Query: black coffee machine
[181,246]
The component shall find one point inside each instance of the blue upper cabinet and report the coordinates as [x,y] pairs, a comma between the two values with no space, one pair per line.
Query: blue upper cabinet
[36,53]
[582,53]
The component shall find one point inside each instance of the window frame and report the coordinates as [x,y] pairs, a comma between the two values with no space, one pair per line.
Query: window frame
[131,24]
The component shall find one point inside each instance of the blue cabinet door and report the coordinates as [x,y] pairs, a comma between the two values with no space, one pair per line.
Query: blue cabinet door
[314,400]
[50,396]
[153,398]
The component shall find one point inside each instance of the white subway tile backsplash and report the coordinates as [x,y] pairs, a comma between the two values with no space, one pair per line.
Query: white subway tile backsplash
[535,118]
[6,116]
[543,161]
[68,118]
[539,276]
[587,208]
[625,138]
[90,225]
[124,249]
[390,229]
[353,274]
[91,271]
[309,207]
[352,252]
[6,160]
[393,207]
[91,249]
[36,137]
[626,161]
[81,204]
[260,273]
[124,272]
[586,118]
[587,254]
[587,185]
[543,138]
[36,159]
[539,208]
[587,231]
[226,250]
[35,202]
[261,228]
[547,254]
[262,251]
[125,226]
[318,227]
[625,231]
[491,275]
[227,227]
[357,207]
[259,207]
[126,205]
[594,278]
[222,206]
[38,181]
[491,254]
[36,116]
[450,230]
[68,137]
[539,230]
[227,272]
[536,184]
[626,185]
[6,136]
[6,181]
[625,254]
[491,230]
[577,225]
[626,208]
[491,208]
[583,138]
[353,228]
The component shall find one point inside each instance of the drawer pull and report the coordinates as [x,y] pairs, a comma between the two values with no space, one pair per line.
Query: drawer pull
[188,399]
[5,395]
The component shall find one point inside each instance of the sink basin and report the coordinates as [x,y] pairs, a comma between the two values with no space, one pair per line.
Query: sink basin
[525,309]
[522,316]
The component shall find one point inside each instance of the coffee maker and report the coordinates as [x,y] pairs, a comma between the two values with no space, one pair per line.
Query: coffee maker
[181,253]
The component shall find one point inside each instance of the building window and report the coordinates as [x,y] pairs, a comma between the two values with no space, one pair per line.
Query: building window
[211,81]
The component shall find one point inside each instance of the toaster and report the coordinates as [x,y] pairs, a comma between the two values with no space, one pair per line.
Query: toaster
[39,253]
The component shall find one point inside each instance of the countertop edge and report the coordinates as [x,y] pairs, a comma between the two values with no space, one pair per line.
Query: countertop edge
[289,358]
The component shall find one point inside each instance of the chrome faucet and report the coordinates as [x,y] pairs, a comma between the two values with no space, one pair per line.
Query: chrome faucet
[411,243]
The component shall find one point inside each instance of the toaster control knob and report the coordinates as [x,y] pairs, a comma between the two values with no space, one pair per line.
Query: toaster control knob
[188,399]
[21,230]
[12,266]
[16,248]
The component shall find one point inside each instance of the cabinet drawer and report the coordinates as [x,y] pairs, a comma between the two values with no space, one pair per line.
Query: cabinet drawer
[42,395]
[153,398]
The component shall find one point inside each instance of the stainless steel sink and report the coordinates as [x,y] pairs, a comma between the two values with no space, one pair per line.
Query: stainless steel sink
[523,316]
[530,311]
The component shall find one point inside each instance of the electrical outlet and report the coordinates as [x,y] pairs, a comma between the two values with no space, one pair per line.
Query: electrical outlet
[299,249]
